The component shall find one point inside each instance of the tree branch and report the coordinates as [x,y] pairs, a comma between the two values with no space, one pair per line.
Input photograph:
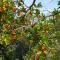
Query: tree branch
[30,6]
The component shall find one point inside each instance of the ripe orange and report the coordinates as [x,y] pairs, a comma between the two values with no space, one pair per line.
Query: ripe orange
[1,10]
[7,26]
[4,8]
[14,9]
[6,5]
[43,48]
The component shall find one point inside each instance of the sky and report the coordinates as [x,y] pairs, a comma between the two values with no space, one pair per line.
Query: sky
[47,4]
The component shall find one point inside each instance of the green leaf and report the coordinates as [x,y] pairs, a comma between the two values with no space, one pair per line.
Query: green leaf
[45,39]
[58,35]
[37,12]
[42,58]
[58,2]
[29,37]
[39,4]
[1,4]
[1,26]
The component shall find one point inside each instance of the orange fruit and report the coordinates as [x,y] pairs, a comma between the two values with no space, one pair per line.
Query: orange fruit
[21,13]
[7,26]
[6,5]
[4,8]
[13,32]
[43,48]
[38,52]
[1,10]
[46,52]
[14,9]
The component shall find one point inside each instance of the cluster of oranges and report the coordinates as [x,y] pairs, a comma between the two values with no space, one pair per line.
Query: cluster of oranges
[7,26]
[13,35]
[6,6]
[40,52]
[42,49]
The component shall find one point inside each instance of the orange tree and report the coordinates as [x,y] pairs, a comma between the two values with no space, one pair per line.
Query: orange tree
[27,25]
[15,23]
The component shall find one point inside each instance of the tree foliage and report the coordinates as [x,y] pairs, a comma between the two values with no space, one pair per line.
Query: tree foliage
[26,33]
